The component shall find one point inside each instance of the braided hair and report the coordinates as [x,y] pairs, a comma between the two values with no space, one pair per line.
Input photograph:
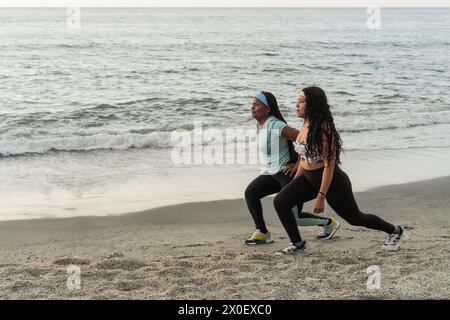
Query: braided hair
[275,111]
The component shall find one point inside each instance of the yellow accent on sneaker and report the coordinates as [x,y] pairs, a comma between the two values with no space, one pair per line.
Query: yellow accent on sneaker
[329,230]
[259,238]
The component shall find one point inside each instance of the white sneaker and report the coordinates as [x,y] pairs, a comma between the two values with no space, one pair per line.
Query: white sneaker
[395,240]
[292,249]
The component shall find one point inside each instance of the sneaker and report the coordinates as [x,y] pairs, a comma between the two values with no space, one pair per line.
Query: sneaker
[259,238]
[292,249]
[394,240]
[329,230]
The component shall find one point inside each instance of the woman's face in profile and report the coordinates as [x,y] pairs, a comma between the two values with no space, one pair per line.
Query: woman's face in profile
[300,107]
[259,110]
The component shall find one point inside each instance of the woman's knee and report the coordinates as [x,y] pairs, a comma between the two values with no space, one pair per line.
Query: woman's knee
[279,202]
[250,193]
[346,211]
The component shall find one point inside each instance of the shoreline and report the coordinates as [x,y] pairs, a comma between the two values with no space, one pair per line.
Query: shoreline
[173,207]
[73,185]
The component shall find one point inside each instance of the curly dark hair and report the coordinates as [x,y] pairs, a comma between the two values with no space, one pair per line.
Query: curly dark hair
[275,111]
[321,124]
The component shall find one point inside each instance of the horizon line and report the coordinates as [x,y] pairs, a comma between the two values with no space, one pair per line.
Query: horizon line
[203,7]
[234,7]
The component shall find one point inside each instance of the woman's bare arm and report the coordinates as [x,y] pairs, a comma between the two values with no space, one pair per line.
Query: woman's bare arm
[289,133]
[328,169]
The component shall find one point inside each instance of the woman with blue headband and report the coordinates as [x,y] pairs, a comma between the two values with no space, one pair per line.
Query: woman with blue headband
[275,145]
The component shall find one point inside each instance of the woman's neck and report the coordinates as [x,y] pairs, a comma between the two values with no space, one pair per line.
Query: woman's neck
[261,121]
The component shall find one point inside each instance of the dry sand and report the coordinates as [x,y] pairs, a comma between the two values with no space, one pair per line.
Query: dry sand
[196,251]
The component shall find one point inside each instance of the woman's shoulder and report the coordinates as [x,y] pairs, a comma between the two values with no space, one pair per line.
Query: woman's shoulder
[274,121]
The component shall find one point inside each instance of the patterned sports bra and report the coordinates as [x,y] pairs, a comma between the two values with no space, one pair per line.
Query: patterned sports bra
[300,148]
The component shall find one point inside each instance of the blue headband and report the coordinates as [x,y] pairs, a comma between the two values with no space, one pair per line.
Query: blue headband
[261,97]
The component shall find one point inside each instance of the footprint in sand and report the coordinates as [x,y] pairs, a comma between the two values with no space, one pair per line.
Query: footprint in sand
[36,272]
[346,260]
[20,285]
[129,285]
[176,272]
[75,260]
[122,264]
[260,257]
[194,245]
[116,255]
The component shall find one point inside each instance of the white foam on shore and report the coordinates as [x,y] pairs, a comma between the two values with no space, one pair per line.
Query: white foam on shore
[115,182]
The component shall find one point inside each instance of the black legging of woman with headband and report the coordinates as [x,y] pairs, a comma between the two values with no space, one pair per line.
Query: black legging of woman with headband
[339,196]
[265,185]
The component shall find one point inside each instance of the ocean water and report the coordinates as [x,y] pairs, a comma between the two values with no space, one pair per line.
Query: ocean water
[87,115]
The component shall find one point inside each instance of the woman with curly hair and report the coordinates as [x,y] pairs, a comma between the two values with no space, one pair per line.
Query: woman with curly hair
[319,177]
[275,146]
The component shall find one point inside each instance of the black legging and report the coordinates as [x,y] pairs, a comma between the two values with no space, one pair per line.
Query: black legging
[267,184]
[339,197]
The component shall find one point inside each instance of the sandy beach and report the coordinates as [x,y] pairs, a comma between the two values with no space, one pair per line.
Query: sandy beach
[196,251]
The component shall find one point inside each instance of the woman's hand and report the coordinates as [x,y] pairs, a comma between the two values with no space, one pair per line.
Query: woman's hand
[291,169]
[319,204]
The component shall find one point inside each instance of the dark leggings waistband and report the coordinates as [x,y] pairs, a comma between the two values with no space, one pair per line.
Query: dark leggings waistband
[314,170]
[315,176]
